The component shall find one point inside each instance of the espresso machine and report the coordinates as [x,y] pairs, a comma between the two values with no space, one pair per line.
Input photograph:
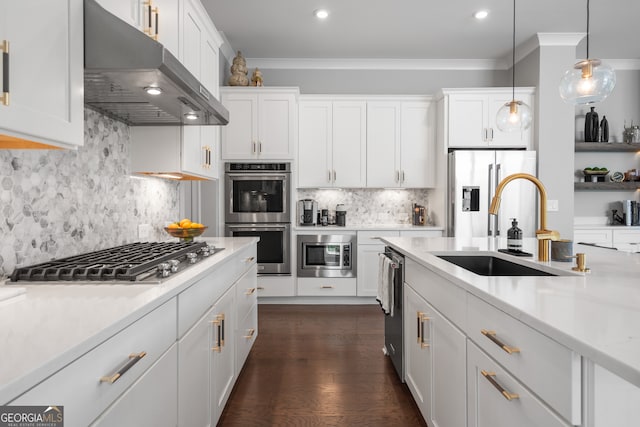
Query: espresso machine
[307,212]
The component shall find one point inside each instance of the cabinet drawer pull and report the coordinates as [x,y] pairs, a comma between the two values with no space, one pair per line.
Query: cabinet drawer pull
[133,359]
[218,324]
[260,288]
[250,259]
[327,287]
[250,291]
[489,376]
[5,73]
[492,336]
[250,333]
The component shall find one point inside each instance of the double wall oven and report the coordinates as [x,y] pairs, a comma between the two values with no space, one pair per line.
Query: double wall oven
[258,204]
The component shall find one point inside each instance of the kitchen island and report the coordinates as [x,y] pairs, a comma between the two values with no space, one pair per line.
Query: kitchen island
[57,337]
[587,322]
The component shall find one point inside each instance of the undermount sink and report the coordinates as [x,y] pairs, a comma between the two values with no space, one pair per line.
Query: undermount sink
[489,265]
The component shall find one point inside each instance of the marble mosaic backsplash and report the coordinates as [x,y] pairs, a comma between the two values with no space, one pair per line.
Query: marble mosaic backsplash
[370,206]
[57,203]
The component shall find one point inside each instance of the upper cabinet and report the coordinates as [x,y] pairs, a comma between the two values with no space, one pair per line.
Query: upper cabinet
[470,118]
[262,123]
[42,74]
[159,19]
[332,149]
[400,144]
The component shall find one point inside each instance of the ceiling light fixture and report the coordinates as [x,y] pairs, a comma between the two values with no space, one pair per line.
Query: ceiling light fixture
[153,90]
[321,13]
[514,115]
[481,14]
[589,80]
[191,116]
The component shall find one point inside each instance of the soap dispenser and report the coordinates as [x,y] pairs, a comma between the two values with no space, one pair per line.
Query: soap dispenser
[514,237]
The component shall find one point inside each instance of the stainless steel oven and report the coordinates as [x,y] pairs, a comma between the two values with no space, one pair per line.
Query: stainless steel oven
[258,193]
[326,255]
[274,248]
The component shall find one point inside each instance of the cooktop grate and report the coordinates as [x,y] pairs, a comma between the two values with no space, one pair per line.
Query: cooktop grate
[126,262]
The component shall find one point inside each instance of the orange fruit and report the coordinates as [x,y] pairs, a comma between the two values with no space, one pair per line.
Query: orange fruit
[196,225]
[173,226]
[185,223]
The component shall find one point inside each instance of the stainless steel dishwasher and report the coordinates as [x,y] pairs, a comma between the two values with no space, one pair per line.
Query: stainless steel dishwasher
[393,325]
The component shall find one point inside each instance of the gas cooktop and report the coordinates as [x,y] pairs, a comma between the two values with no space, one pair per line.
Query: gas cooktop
[142,262]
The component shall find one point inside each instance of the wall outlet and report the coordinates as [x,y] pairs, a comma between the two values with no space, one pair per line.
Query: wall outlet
[144,231]
[552,206]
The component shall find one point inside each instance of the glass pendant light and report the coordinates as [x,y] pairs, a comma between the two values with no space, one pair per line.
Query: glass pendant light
[514,115]
[589,80]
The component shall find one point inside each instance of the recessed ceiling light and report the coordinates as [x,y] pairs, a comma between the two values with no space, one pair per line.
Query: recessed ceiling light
[191,116]
[481,14]
[153,90]
[321,13]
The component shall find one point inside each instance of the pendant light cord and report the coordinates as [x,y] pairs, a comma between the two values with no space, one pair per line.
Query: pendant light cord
[588,28]
[513,56]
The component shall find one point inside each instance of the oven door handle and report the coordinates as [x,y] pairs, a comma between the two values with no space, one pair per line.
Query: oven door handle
[257,227]
[254,177]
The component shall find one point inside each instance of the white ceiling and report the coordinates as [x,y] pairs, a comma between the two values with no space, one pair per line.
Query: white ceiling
[420,29]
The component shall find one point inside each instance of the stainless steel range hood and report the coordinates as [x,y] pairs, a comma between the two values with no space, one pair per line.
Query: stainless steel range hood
[121,61]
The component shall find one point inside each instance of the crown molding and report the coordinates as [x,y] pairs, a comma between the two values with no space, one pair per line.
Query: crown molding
[373,64]
[226,49]
[560,39]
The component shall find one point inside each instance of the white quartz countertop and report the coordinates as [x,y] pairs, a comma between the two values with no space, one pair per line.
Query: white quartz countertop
[46,327]
[595,314]
[366,227]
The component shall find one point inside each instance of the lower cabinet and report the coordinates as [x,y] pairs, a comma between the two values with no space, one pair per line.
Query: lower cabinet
[206,359]
[150,401]
[496,399]
[326,286]
[434,362]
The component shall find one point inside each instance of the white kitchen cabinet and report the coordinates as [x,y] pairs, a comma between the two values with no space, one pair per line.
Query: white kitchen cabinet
[400,144]
[326,286]
[435,362]
[90,385]
[598,236]
[178,151]
[246,315]
[612,401]
[469,119]
[262,123]
[43,106]
[206,370]
[138,406]
[332,148]
[496,399]
[627,240]
[277,286]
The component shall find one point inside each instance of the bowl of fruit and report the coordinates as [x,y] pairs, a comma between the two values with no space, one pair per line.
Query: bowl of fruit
[185,229]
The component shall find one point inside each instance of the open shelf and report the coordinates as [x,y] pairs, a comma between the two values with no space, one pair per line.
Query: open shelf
[606,146]
[607,186]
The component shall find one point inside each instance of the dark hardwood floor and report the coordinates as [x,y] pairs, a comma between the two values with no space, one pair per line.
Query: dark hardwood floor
[320,365]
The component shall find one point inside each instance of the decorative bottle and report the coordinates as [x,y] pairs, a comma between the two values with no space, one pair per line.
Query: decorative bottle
[604,130]
[591,126]
[514,237]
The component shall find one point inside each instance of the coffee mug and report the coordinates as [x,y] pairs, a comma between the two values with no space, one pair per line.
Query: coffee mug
[561,250]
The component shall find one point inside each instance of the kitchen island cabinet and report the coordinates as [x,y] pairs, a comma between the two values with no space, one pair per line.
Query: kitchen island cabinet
[45,78]
[107,327]
[557,346]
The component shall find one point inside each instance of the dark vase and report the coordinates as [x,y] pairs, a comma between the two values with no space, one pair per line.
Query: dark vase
[604,130]
[591,126]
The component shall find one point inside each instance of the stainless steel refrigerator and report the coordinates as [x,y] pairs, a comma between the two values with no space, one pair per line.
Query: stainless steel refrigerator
[473,177]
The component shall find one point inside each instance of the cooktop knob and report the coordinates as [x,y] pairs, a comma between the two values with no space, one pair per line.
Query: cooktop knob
[164,269]
[191,257]
[174,263]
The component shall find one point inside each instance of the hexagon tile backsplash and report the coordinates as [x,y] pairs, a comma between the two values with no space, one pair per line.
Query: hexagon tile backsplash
[56,203]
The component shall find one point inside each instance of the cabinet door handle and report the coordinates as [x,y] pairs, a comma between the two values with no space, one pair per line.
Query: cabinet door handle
[259,147]
[5,72]
[423,318]
[492,336]
[221,316]
[419,328]
[260,288]
[334,175]
[327,287]
[402,176]
[250,291]
[250,333]
[397,176]
[491,134]
[250,259]
[490,377]
[133,359]
[149,30]
[329,175]
[253,147]
[217,323]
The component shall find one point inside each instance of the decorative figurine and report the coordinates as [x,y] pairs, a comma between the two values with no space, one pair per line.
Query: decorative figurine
[604,130]
[591,126]
[256,78]
[239,71]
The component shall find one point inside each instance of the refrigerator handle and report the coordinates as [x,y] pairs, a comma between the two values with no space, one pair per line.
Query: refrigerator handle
[489,195]
[498,179]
